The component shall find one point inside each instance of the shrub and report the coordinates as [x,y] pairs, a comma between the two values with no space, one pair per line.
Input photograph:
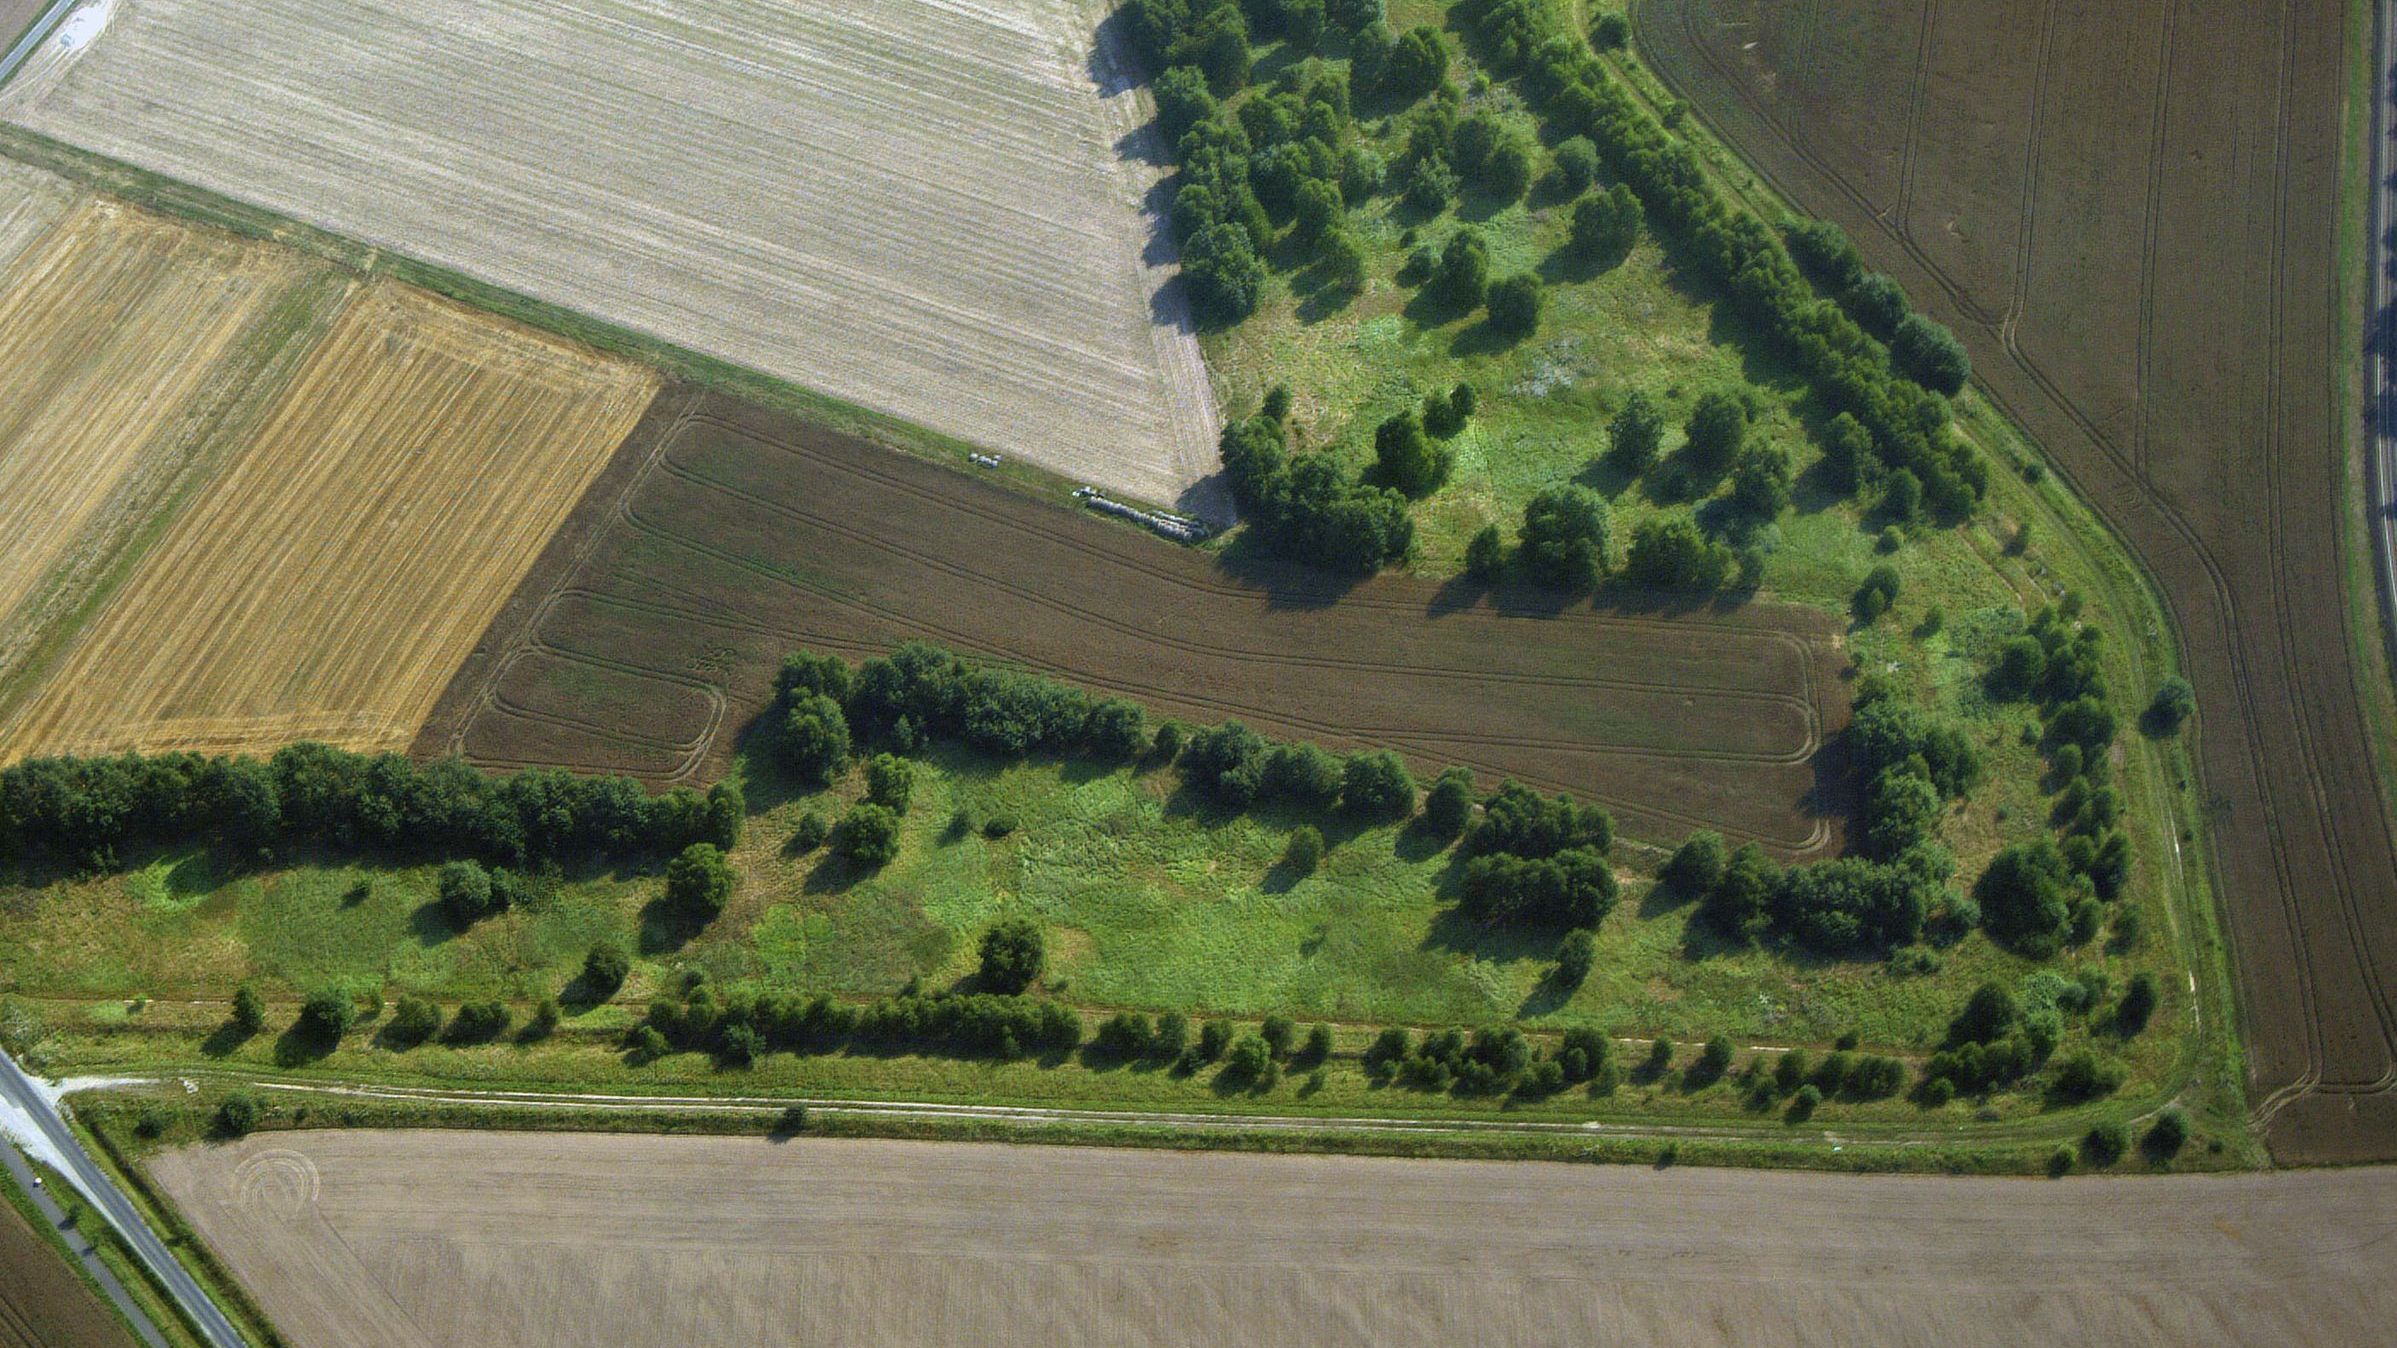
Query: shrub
[698,884]
[2174,703]
[1431,184]
[249,1010]
[1318,1046]
[2025,897]
[810,832]
[478,1022]
[1604,225]
[239,1114]
[1172,1036]
[2059,1163]
[1718,426]
[1715,1059]
[1376,785]
[1305,851]
[1930,355]
[327,1015]
[1637,432]
[1461,276]
[1214,1037]
[545,1019]
[1802,1105]
[413,1021]
[2082,1075]
[1877,593]
[1696,866]
[890,781]
[1515,304]
[1565,536]
[1448,806]
[2104,1145]
[1612,32]
[1660,1057]
[815,738]
[466,893]
[1575,956]
[1013,954]
[1576,165]
[1485,554]
[2166,1136]
[1247,1059]
[867,837]
[1406,458]
[1278,1033]
[2138,1004]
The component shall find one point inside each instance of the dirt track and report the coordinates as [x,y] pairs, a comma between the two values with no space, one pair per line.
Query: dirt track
[2130,213]
[728,536]
[438,1238]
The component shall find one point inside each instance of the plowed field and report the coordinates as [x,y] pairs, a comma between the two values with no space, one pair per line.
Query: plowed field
[2131,214]
[124,341]
[327,582]
[42,1303]
[739,534]
[932,209]
[442,1237]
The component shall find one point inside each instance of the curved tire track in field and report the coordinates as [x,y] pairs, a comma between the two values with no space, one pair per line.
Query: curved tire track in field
[2332,1131]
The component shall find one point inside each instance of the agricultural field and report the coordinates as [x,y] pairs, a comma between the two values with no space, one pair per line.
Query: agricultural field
[650,637]
[328,578]
[439,1237]
[42,1303]
[932,210]
[2150,307]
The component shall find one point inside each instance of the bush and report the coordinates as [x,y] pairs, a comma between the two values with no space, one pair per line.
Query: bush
[1637,432]
[413,1021]
[1461,276]
[890,781]
[2138,1004]
[1318,1046]
[478,1023]
[1576,955]
[1448,805]
[868,837]
[1515,304]
[2166,1136]
[1612,32]
[249,1010]
[1565,536]
[327,1015]
[1696,866]
[1013,955]
[2104,1145]
[1576,165]
[2174,703]
[1604,225]
[1713,1060]
[466,893]
[1305,851]
[2025,897]
[1278,1033]
[1406,458]
[1214,1037]
[239,1114]
[1877,593]
[1717,428]
[545,1019]
[1376,785]
[810,832]
[1930,355]
[698,884]
[1247,1059]
[815,738]
[2082,1075]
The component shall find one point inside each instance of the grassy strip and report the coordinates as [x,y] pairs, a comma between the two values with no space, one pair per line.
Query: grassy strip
[201,1262]
[171,1326]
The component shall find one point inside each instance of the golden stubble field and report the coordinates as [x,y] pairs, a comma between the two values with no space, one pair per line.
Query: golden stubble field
[932,209]
[441,1237]
[328,579]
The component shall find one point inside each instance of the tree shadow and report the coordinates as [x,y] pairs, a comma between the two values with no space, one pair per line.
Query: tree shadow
[301,1044]
[224,1039]
[430,924]
[1486,338]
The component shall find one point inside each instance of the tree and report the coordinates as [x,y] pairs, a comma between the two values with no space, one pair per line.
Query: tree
[1320,210]
[1013,954]
[1612,32]
[1183,101]
[249,1010]
[1485,554]
[327,1015]
[1696,867]
[466,893]
[1738,904]
[1305,851]
[1565,535]
[2138,1004]
[1637,432]
[1218,45]
[1515,304]
[1902,496]
[1669,553]
[1718,425]
[2025,897]
[1448,806]
[868,836]
[727,810]
[1224,273]
[413,1021]
[2175,702]
[815,738]
[1351,16]
[605,969]
[1714,1060]
[1576,165]
[810,832]
[239,1113]
[1318,1046]
[1417,64]
[1248,1059]
[478,1022]
[1575,956]
[1877,593]
[1605,225]
[1878,303]
[545,1019]
[1901,810]
[2166,1136]
[1930,355]
[2083,1075]
[1407,459]
[698,883]
[1760,482]
[1506,174]
[1376,785]
[890,781]
[1461,277]
[1277,1031]
[1848,453]
[1989,1015]
[1343,257]
[2104,1145]
[1430,185]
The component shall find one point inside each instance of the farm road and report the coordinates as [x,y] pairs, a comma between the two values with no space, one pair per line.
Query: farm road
[445,1237]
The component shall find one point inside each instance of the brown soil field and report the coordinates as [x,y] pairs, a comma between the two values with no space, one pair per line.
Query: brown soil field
[329,579]
[42,1303]
[727,536]
[2131,213]
[125,341]
[934,210]
[14,15]
[439,1237]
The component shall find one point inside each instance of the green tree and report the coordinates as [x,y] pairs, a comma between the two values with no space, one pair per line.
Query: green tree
[1576,955]
[1013,955]
[1318,1046]
[1461,277]
[1485,554]
[249,1010]
[1576,162]
[1407,459]
[1305,851]
[2175,702]
[1604,226]
[1877,593]
[466,893]
[1717,428]
[2138,1004]
[239,1114]
[1760,482]
[2104,1145]
[1565,535]
[1376,785]
[868,836]
[1417,64]
[1278,1032]
[890,782]
[2025,897]
[1448,806]
[698,884]
[815,738]
[2166,1136]
[413,1021]
[605,969]
[1637,432]
[327,1015]
[1930,354]
[1612,32]
[1696,866]
[1515,304]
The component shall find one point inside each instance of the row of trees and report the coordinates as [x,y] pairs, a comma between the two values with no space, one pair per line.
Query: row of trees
[80,811]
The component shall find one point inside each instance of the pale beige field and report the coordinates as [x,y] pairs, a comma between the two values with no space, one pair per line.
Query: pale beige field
[928,207]
[125,342]
[442,1238]
[331,576]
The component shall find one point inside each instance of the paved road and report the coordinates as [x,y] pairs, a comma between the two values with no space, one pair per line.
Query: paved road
[20,1090]
[32,38]
[2380,328]
[101,1273]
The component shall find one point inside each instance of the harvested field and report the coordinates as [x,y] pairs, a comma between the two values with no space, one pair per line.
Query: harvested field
[42,1303]
[327,582]
[125,341]
[931,209]
[2148,285]
[439,1237]
[729,536]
